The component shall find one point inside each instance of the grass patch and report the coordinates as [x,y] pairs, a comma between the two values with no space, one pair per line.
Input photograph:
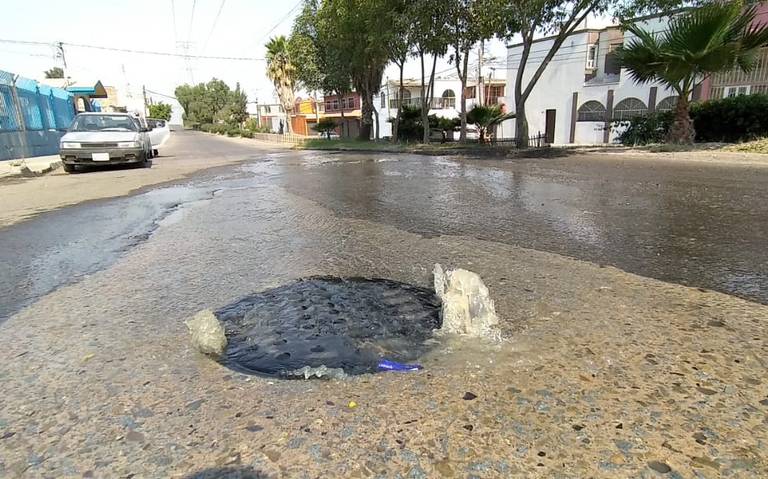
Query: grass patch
[757,146]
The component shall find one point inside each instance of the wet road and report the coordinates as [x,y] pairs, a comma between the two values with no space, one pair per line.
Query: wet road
[600,373]
[693,224]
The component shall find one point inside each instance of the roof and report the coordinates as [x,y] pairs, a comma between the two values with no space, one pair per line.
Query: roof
[91,89]
[609,27]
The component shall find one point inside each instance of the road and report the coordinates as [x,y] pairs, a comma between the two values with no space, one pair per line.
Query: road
[632,294]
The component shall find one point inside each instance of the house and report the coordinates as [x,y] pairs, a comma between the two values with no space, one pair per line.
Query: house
[306,113]
[271,115]
[583,89]
[446,102]
[346,110]
[736,82]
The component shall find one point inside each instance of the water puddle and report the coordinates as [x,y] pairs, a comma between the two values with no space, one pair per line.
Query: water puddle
[328,325]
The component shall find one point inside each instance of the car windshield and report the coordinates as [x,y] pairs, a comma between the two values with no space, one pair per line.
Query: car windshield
[104,123]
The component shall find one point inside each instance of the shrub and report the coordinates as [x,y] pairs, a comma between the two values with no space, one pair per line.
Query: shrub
[643,130]
[232,131]
[733,119]
[246,134]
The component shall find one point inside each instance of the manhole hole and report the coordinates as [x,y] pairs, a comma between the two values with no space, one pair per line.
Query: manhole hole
[339,323]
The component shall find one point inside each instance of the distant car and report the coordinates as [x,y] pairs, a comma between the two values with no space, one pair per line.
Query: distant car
[105,139]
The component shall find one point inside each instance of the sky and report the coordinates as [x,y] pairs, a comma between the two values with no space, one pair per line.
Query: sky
[230,28]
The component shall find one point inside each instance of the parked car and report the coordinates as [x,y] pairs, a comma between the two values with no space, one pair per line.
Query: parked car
[105,139]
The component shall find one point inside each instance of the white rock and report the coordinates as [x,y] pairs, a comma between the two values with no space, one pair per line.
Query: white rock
[207,333]
[466,303]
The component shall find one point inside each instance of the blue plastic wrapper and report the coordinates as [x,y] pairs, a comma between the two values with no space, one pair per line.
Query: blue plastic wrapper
[386,365]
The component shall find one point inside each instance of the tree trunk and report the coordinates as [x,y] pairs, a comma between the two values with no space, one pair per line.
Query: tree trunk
[366,122]
[376,118]
[521,121]
[681,132]
[463,111]
[399,104]
[343,122]
[423,98]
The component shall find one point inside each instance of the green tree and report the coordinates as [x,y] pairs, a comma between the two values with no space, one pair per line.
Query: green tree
[352,33]
[303,49]
[282,72]
[325,126]
[238,106]
[713,38]
[160,110]
[469,22]
[400,48]
[430,38]
[486,118]
[55,72]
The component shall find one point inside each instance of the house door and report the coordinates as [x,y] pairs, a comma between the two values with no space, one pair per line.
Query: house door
[549,126]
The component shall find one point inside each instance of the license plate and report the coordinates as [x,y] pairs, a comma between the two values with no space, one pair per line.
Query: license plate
[100,157]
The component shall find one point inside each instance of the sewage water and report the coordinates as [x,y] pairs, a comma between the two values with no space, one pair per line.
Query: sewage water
[343,324]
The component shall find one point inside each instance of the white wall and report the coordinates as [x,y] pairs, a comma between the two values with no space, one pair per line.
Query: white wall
[564,76]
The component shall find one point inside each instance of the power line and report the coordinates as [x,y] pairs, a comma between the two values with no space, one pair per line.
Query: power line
[215,21]
[191,20]
[285,17]
[161,94]
[173,13]
[137,52]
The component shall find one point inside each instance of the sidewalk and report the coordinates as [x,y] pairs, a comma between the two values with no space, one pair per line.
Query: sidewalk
[35,166]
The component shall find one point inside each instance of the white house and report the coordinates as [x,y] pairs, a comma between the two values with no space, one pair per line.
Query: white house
[446,102]
[583,89]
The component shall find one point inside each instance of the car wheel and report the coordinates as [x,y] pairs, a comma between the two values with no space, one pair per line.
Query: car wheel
[155,153]
[70,168]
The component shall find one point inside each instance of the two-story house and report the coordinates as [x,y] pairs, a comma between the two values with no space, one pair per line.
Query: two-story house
[584,89]
[446,101]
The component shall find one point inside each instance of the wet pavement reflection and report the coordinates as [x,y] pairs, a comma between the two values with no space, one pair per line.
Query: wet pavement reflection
[702,226]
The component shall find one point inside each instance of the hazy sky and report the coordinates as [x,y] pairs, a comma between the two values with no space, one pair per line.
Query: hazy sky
[241,30]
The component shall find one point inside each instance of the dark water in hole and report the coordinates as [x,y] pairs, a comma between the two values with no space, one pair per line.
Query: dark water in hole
[346,323]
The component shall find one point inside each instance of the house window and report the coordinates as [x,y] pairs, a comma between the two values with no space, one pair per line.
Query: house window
[736,91]
[591,111]
[495,91]
[629,108]
[335,104]
[592,57]
[470,92]
[667,104]
[612,65]
[395,102]
[383,101]
[448,99]
[351,103]
[328,106]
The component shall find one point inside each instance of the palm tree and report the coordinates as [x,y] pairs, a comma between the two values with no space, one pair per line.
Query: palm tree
[487,117]
[282,73]
[716,37]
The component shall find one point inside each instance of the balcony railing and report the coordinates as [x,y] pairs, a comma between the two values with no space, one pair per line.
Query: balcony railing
[437,103]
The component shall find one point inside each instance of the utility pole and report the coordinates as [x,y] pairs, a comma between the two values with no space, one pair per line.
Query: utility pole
[185,46]
[144,94]
[60,49]
[480,83]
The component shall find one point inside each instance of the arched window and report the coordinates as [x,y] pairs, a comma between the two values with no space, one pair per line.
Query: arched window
[667,104]
[629,108]
[449,99]
[592,111]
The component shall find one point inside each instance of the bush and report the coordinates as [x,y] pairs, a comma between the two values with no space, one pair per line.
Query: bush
[643,130]
[733,119]
[232,131]
[246,134]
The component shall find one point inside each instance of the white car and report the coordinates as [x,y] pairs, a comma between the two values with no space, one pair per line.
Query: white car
[105,139]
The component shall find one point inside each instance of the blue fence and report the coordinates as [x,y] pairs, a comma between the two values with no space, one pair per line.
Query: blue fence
[33,117]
